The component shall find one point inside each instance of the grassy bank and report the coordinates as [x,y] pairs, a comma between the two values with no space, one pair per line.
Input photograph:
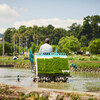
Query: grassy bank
[84,63]
[19,93]
[21,62]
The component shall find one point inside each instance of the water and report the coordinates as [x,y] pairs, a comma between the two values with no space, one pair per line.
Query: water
[80,81]
[9,76]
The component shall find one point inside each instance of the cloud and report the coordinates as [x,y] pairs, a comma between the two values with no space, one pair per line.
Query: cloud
[2,30]
[56,22]
[7,14]
[21,9]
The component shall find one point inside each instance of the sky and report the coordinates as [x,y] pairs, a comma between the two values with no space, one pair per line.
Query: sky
[59,13]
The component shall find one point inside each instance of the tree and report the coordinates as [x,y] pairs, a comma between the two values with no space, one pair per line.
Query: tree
[83,41]
[22,29]
[84,49]
[90,28]
[57,35]
[74,30]
[33,48]
[69,44]
[95,21]
[94,46]
[8,34]
[0,49]
[8,48]
[65,50]
[86,29]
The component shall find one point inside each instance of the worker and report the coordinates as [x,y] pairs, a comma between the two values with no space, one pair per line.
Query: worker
[46,47]
[31,60]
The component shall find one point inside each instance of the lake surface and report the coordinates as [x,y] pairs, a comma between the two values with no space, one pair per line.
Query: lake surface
[80,81]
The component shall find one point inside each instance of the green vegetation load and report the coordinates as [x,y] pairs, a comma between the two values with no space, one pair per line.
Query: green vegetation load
[54,65]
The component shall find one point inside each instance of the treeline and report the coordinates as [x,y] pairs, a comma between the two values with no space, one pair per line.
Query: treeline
[77,36]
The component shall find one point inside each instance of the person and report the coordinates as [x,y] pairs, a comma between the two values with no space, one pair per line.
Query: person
[15,57]
[31,60]
[74,66]
[46,48]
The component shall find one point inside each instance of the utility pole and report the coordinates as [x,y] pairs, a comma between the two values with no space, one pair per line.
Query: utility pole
[3,46]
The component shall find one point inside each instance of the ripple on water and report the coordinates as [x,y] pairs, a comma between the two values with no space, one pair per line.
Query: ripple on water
[79,81]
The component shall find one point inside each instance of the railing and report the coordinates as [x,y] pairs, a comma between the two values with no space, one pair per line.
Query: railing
[50,54]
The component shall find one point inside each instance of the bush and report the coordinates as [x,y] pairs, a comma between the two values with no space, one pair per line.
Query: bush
[81,58]
[71,43]
[84,49]
[52,65]
[93,58]
[65,50]
[94,46]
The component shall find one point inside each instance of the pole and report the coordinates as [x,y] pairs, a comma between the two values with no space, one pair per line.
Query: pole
[14,46]
[3,47]
[37,42]
[19,45]
[26,45]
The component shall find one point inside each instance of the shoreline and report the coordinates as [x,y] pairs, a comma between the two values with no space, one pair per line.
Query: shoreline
[51,94]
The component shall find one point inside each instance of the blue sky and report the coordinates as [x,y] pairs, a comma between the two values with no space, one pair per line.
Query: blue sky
[59,13]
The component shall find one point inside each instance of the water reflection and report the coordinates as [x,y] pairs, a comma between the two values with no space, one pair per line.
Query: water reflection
[54,85]
[80,81]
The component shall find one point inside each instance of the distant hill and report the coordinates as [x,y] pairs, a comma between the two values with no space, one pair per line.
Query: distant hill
[1,35]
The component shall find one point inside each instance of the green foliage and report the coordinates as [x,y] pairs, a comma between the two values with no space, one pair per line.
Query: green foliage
[8,48]
[52,65]
[65,50]
[0,49]
[8,34]
[84,49]
[74,96]
[33,47]
[82,59]
[85,65]
[90,30]
[69,43]
[94,46]
[93,58]
[55,47]
[40,45]
[92,99]
[22,29]
[74,30]
[83,41]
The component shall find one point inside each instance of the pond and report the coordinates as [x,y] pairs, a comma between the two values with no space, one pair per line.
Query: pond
[80,81]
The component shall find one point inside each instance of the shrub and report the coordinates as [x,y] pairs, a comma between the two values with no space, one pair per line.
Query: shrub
[81,58]
[65,50]
[93,58]
[94,46]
